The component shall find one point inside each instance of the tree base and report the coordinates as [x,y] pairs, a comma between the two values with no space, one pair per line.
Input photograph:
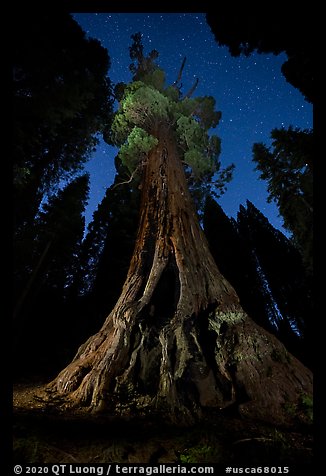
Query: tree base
[240,368]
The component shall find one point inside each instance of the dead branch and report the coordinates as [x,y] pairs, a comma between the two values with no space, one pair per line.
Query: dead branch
[142,163]
[175,84]
[191,90]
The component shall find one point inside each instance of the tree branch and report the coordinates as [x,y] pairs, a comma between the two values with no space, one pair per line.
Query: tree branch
[174,85]
[191,90]
[142,163]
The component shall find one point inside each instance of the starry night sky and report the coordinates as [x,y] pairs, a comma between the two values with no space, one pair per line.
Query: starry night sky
[251,93]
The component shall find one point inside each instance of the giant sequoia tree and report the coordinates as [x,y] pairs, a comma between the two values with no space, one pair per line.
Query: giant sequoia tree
[177,341]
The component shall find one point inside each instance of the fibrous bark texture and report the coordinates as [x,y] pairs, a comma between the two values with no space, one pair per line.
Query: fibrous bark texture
[177,341]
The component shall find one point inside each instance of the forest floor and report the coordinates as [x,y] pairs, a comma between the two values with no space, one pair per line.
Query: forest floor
[43,434]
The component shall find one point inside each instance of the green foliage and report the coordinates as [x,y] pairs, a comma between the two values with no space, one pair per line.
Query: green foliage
[290,408]
[119,130]
[143,105]
[138,144]
[148,102]
[184,107]
[190,133]
[304,407]
[306,404]
[194,158]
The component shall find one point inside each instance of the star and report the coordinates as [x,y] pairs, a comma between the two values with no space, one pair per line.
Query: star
[251,93]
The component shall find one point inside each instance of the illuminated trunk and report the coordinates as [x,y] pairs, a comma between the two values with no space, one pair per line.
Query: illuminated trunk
[177,341]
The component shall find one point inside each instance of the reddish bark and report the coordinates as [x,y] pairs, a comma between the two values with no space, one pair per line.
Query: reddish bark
[177,340]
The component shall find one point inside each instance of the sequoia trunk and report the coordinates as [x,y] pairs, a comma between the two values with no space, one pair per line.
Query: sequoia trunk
[177,340]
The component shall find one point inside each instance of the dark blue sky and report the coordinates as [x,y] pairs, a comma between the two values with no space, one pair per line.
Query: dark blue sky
[251,93]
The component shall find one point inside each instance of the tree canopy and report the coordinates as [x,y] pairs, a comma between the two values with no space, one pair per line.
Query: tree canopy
[146,102]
